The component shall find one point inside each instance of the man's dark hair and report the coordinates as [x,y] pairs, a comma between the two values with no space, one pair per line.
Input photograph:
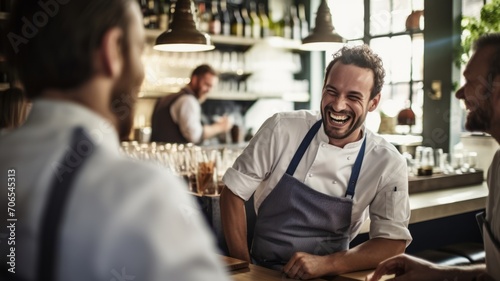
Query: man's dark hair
[51,43]
[361,56]
[202,70]
[490,39]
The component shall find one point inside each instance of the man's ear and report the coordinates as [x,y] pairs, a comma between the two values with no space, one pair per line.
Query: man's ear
[373,103]
[111,55]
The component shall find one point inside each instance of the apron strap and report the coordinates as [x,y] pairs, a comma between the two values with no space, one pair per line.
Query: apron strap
[58,195]
[303,147]
[355,171]
[484,224]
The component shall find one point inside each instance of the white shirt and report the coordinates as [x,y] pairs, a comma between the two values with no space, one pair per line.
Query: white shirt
[493,217]
[381,191]
[123,218]
[186,112]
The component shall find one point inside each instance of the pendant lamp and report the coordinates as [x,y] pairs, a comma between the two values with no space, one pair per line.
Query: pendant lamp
[323,37]
[183,35]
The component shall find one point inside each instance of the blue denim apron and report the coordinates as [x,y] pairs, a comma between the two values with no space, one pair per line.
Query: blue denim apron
[296,218]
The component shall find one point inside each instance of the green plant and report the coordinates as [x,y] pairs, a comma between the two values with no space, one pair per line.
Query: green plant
[473,28]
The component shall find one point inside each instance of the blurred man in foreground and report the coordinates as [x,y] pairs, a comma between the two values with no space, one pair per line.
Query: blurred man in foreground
[83,211]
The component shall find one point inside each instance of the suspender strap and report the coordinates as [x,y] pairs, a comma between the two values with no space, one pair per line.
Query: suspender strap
[355,171]
[59,192]
[302,148]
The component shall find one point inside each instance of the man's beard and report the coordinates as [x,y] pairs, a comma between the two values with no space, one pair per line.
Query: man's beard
[124,98]
[479,119]
[333,134]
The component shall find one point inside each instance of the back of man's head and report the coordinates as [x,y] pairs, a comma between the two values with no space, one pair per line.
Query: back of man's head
[493,40]
[51,43]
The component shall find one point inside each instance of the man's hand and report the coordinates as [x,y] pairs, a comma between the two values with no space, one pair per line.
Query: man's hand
[225,123]
[408,268]
[306,266]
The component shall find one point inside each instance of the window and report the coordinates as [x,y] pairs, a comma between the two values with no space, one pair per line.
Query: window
[402,51]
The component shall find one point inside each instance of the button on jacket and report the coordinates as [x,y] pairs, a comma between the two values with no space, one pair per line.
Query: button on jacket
[124,219]
[381,190]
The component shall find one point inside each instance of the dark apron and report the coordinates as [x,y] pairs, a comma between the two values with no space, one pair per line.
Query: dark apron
[296,218]
[53,213]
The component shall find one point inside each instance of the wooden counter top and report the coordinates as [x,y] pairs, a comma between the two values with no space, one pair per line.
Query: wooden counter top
[258,273]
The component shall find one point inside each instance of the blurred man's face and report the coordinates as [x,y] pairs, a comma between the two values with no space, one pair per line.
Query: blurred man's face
[126,88]
[480,93]
[202,85]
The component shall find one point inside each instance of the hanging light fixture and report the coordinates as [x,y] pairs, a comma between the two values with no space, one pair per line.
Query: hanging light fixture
[183,35]
[323,37]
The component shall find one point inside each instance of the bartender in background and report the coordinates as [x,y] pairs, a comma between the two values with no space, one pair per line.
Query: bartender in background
[177,118]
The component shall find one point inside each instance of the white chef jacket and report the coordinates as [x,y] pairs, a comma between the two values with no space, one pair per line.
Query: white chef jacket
[123,218]
[186,112]
[381,190]
[493,218]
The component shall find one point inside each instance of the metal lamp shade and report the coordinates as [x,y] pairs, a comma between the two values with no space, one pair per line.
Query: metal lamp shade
[323,36]
[183,35]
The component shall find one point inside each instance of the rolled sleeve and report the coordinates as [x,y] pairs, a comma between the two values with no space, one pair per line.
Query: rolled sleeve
[390,209]
[186,111]
[240,184]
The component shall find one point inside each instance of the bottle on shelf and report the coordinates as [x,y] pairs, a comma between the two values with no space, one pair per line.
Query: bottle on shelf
[145,12]
[264,21]
[286,25]
[237,23]
[203,18]
[225,19]
[154,22]
[304,25]
[255,21]
[296,31]
[215,26]
[247,23]
[164,10]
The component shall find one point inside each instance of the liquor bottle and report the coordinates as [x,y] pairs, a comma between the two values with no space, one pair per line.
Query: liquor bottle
[145,13]
[304,25]
[255,21]
[203,18]
[287,24]
[153,15]
[237,23]
[264,21]
[215,26]
[225,19]
[247,23]
[296,32]
[164,11]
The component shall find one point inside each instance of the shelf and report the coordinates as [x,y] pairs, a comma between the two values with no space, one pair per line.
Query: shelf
[277,42]
[294,97]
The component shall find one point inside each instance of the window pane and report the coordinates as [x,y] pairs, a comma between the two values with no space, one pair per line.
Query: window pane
[380,17]
[417,5]
[348,17]
[418,57]
[401,9]
[381,46]
[401,58]
[472,8]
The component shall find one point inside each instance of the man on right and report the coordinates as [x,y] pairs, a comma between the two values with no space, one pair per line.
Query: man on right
[481,95]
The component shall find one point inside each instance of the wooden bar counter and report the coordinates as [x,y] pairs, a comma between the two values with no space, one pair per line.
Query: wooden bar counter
[259,273]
